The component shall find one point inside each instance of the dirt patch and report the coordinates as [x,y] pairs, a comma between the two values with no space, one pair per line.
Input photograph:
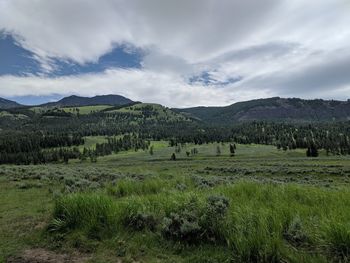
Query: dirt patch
[45,256]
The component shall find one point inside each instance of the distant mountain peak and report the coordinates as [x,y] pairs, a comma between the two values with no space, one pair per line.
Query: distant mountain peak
[8,104]
[75,101]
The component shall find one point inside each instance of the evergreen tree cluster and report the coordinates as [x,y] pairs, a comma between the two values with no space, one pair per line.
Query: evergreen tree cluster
[332,137]
[115,145]
[29,148]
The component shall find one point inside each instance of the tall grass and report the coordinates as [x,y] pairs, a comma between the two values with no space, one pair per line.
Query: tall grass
[92,213]
[259,222]
[128,187]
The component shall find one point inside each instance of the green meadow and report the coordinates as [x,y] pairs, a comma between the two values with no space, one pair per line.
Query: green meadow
[85,109]
[261,205]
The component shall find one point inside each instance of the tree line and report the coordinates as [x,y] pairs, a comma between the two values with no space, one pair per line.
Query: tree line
[38,138]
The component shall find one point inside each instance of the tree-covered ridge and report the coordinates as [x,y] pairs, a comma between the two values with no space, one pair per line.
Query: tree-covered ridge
[48,128]
[273,109]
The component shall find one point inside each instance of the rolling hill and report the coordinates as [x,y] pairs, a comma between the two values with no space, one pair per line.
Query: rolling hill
[273,109]
[8,104]
[149,111]
[76,101]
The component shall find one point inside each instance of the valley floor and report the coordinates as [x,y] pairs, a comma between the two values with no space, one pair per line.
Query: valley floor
[261,205]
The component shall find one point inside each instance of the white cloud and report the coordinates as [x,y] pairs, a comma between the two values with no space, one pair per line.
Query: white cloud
[83,30]
[277,46]
[139,85]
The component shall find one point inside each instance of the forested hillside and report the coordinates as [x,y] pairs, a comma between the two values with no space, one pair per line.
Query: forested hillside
[273,109]
[51,134]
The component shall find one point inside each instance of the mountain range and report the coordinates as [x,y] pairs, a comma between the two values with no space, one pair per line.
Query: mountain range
[270,109]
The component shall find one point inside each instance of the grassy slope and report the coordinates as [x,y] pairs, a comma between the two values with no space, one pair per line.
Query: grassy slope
[159,111]
[149,111]
[86,109]
[82,110]
[7,114]
[315,190]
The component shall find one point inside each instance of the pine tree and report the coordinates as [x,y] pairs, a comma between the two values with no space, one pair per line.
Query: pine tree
[218,151]
[232,150]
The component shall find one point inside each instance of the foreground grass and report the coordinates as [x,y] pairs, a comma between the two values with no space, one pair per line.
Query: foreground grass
[248,222]
[263,205]
[23,215]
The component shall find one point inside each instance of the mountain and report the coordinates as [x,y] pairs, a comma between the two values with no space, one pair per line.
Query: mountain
[272,109]
[76,101]
[8,104]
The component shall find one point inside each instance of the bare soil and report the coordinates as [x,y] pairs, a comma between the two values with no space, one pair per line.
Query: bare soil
[39,255]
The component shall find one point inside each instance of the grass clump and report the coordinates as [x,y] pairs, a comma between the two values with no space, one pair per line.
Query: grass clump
[253,237]
[91,213]
[129,187]
[337,239]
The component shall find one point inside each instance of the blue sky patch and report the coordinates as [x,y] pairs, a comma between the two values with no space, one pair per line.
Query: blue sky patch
[206,79]
[119,57]
[18,61]
[15,60]
[35,100]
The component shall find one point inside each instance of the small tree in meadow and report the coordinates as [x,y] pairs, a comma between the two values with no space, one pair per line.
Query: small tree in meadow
[232,150]
[218,151]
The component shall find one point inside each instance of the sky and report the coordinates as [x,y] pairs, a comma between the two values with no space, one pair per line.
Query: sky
[177,53]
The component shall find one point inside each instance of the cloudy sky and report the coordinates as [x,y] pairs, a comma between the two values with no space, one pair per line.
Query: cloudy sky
[177,53]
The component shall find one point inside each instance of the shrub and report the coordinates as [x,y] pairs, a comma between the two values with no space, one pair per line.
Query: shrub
[27,185]
[194,222]
[140,221]
[294,233]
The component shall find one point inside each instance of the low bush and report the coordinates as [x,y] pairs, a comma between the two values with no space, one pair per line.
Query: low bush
[196,222]
[295,233]
[140,221]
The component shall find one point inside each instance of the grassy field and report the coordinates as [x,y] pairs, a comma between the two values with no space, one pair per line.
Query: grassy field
[262,205]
